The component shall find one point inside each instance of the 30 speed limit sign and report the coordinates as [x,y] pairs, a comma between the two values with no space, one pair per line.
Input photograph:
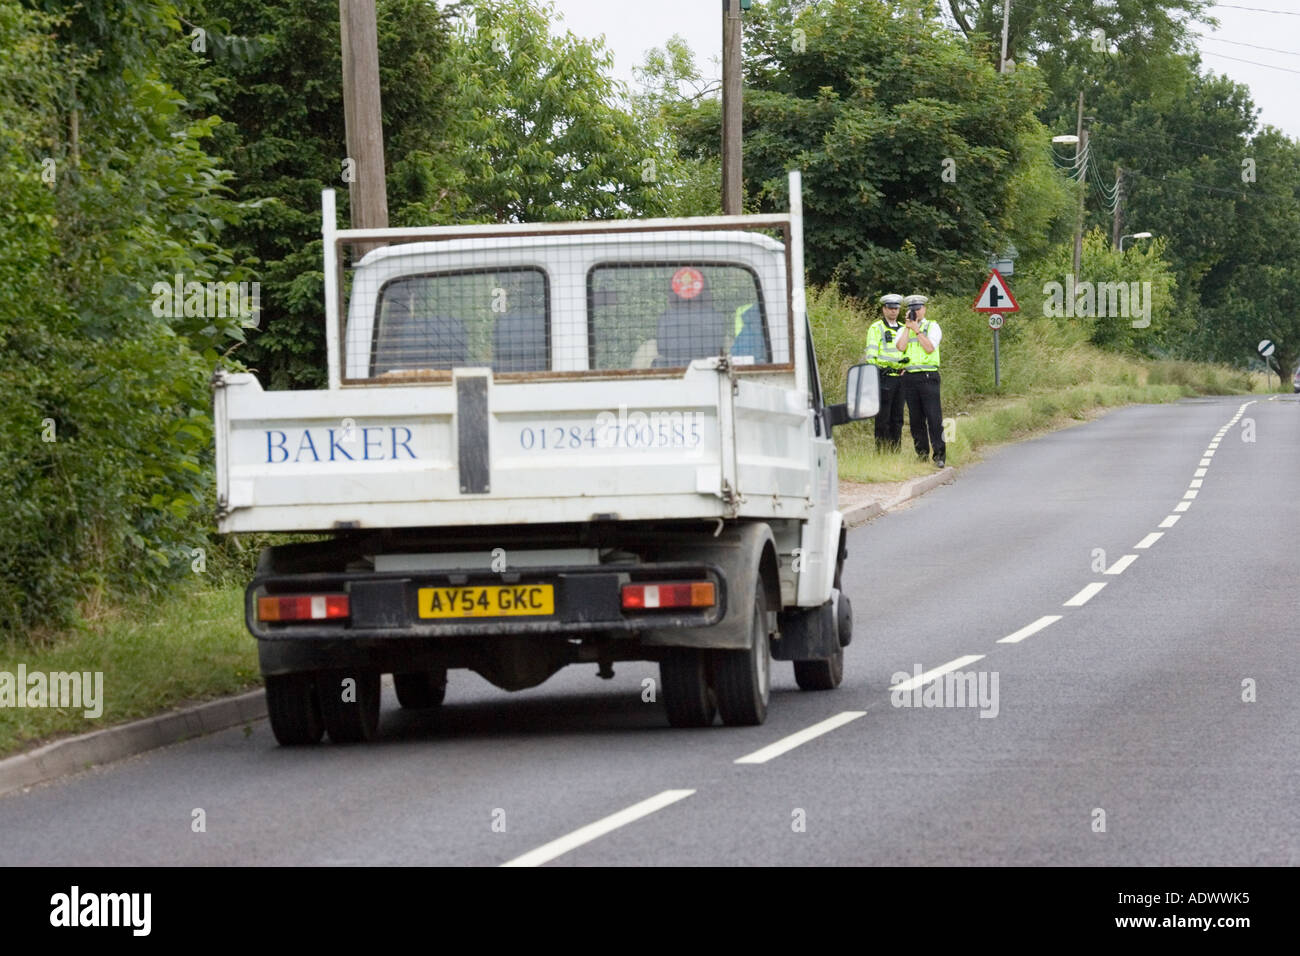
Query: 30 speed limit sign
[995,321]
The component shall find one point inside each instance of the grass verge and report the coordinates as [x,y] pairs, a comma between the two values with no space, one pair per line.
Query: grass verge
[190,646]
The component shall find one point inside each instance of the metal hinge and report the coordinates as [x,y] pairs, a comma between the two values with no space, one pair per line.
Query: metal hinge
[731,498]
[727,367]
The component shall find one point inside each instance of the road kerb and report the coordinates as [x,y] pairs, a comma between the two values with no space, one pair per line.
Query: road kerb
[860,514]
[73,754]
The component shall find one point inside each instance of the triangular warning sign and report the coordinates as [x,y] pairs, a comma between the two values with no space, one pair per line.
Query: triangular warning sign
[995,296]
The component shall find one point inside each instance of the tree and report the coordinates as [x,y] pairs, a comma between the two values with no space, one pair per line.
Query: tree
[1068,39]
[1259,294]
[670,87]
[539,127]
[104,426]
[910,144]
[1125,298]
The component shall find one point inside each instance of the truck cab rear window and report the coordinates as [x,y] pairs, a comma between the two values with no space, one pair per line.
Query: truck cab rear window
[665,314]
[440,321]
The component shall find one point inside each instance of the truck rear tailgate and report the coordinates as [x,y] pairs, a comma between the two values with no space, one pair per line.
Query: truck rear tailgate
[471,451]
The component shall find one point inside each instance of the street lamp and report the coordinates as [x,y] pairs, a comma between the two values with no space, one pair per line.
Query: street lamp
[1132,235]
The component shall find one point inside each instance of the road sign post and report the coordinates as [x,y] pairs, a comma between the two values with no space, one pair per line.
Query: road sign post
[995,323]
[995,298]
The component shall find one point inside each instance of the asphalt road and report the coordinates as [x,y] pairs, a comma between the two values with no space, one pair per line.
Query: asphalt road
[1116,733]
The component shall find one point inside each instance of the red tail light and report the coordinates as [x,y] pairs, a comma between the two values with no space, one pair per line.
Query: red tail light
[303,607]
[649,597]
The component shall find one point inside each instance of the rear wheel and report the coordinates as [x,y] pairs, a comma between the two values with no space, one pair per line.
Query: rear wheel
[294,709]
[827,674]
[743,679]
[688,698]
[422,690]
[349,703]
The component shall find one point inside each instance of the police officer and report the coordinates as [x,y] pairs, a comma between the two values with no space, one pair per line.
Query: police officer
[919,342]
[882,351]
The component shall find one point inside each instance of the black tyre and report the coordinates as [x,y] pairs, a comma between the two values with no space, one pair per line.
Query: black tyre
[294,709]
[355,719]
[820,675]
[422,690]
[844,619]
[688,698]
[743,679]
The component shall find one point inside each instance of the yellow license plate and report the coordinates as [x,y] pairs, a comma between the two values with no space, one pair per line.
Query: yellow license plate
[507,600]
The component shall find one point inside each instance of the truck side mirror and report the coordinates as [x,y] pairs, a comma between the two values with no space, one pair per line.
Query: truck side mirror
[863,397]
[863,392]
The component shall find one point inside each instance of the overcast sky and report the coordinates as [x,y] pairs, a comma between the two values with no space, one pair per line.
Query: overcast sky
[631,27]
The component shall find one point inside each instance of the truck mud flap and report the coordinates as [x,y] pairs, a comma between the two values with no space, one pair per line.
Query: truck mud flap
[807,634]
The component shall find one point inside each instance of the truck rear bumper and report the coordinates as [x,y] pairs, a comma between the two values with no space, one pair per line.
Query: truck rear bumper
[587,600]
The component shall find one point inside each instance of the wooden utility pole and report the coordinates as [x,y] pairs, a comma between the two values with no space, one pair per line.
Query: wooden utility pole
[731,108]
[1006,23]
[1082,149]
[362,114]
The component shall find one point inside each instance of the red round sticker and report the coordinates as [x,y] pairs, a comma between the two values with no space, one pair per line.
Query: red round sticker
[688,282]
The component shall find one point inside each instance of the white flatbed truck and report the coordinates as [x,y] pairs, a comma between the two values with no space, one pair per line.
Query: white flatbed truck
[540,445]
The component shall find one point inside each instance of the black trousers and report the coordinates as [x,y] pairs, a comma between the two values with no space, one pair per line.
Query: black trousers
[889,420]
[921,392]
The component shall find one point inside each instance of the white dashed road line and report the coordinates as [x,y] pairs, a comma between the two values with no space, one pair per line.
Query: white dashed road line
[556,848]
[1030,629]
[1150,539]
[1170,521]
[1119,566]
[924,678]
[1084,596]
[786,744]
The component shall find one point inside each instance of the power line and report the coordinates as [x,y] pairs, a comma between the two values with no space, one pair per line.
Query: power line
[1177,139]
[1107,193]
[1234,6]
[1184,182]
[1110,205]
[1074,159]
[1284,69]
[1240,194]
[1109,196]
[1098,179]
[1253,46]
